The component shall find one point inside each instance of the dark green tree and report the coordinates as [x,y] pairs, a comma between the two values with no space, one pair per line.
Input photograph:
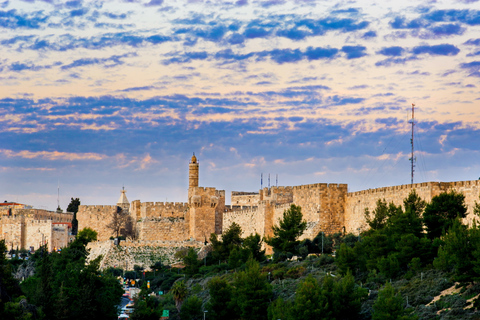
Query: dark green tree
[192,264]
[290,228]
[231,239]
[73,207]
[389,306]
[180,293]
[9,288]
[192,309]
[220,306]
[252,292]
[440,214]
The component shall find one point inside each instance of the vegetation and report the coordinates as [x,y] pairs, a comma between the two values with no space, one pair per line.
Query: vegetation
[286,234]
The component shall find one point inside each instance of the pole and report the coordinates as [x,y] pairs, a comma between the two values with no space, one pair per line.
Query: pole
[412,158]
[322,242]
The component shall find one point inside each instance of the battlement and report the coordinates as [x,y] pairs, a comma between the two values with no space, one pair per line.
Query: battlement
[96,207]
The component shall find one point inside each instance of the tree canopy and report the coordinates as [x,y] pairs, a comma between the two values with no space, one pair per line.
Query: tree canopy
[289,229]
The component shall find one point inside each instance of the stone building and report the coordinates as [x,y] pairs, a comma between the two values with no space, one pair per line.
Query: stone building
[326,207]
[25,228]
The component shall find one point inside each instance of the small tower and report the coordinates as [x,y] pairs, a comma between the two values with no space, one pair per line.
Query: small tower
[123,201]
[192,175]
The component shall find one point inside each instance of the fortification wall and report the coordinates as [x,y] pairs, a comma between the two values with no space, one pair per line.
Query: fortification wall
[142,253]
[278,195]
[38,233]
[159,209]
[252,220]
[358,201]
[206,212]
[323,206]
[165,229]
[96,218]
[12,231]
[244,198]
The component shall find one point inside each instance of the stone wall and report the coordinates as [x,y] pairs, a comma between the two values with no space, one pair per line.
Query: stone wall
[39,232]
[140,210]
[12,231]
[166,229]
[142,253]
[244,198]
[206,212]
[277,195]
[358,201]
[96,218]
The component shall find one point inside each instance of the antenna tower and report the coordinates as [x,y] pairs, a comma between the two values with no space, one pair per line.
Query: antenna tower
[412,157]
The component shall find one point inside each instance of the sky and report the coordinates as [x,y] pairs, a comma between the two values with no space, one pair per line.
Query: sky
[100,95]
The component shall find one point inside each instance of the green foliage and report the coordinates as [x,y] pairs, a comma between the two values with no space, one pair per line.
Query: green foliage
[180,292]
[234,249]
[330,299]
[380,215]
[192,264]
[389,306]
[231,238]
[460,252]
[148,308]
[290,228]
[220,305]
[66,287]
[252,292]
[87,235]
[9,288]
[439,214]
[192,309]
[73,207]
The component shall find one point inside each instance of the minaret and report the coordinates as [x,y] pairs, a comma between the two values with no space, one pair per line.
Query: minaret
[192,174]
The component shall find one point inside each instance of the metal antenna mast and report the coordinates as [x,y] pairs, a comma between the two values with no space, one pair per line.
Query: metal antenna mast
[412,158]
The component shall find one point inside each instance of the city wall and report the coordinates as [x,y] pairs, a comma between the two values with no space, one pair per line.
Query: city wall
[167,229]
[244,198]
[96,218]
[140,210]
[358,201]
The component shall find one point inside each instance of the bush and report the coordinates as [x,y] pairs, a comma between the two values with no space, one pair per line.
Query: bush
[295,272]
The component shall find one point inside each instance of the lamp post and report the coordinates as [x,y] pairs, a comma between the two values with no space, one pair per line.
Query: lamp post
[204,313]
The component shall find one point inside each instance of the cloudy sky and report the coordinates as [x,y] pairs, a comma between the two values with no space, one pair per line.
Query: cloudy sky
[96,95]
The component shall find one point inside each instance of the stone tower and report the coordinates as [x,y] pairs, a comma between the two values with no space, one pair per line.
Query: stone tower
[206,206]
[192,175]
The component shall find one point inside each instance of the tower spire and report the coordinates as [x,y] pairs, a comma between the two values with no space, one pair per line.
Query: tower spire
[412,157]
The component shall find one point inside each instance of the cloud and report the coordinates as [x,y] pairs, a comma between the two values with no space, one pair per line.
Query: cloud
[394,51]
[52,155]
[441,49]
[153,3]
[473,67]
[354,52]
[109,62]
[13,20]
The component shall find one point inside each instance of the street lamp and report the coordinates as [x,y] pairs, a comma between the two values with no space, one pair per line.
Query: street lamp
[204,313]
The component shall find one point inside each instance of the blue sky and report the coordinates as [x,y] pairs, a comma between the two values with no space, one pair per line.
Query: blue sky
[96,95]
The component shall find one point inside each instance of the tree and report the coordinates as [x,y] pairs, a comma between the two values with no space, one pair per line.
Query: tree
[252,292]
[192,309]
[220,305]
[9,288]
[231,239]
[180,292]
[192,264]
[121,224]
[73,207]
[439,214]
[389,306]
[290,228]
